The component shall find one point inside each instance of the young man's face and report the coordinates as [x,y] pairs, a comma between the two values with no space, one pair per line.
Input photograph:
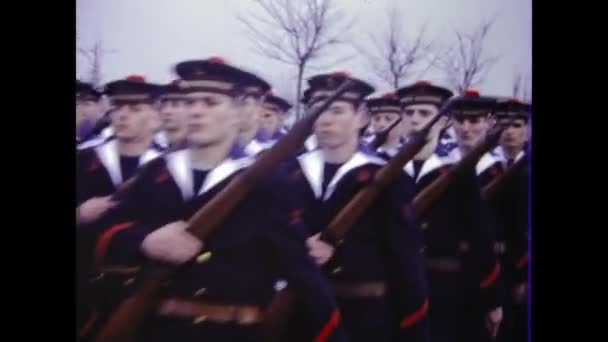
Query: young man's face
[134,120]
[382,121]
[211,117]
[250,113]
[338,125]
[470,130]
[173,117]
[515,135]
[417,116]
[87,110]
[270,120]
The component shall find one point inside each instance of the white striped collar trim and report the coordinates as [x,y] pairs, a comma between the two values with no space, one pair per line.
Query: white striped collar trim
[432,163]
[109,157]
[312,166]
[179,165]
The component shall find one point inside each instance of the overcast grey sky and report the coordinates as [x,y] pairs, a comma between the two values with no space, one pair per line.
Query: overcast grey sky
[149,36]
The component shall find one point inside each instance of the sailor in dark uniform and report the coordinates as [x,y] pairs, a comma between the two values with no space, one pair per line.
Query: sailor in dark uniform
[385,111]
[274,110]
[250,137]
[88,110]
[106,131]
[377,270]
[223,295]
[511,202]
[462,267]
[471,117]
[102,169]
[173,114]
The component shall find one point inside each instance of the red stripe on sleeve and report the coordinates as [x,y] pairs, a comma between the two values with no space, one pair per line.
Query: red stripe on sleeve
[491,278]
[104,241]
[522,261]
[329,327]
[89,325]
[416,316]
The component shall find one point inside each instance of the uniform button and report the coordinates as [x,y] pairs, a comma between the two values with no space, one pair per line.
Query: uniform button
[336,270]
[279,285]
[203,257]
[128,282]
[200,291]
[423,249]
[424,225]
[340,242]
[199,319]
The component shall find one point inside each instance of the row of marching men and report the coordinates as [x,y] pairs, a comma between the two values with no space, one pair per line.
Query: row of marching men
[455,272]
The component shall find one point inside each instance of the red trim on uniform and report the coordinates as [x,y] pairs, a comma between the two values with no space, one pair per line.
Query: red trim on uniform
[94,165]
[162,177]
[363,175]
[296,175]
[295,217]
[522,261]
[101,247]
[89,324]
[412,319]
[329,327]
[491,278]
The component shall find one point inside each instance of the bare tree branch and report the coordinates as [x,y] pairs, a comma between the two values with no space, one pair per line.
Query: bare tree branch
[94,56]
[522,87]
[464,63]
[396,55]
[296,32]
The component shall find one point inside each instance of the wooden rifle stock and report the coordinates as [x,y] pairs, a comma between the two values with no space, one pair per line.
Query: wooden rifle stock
[490,190]
[279,309]
[428,195]
[127,320]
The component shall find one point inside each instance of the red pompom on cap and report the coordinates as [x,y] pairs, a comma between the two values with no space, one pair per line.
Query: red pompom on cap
[136,78]
[423,84]
[216,60]
[342,74]
[471,93]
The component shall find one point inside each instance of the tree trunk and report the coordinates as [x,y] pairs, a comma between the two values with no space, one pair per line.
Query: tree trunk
[299,90]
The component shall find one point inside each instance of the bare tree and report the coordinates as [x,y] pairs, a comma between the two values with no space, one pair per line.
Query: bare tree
[94,56]
[394,56]
[297,33]
[464,63]
[522,87]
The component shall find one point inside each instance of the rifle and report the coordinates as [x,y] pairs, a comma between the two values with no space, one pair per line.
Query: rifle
[124,188]
[278,311]
[381,137]
[490,190]
[133,312]
[429,194]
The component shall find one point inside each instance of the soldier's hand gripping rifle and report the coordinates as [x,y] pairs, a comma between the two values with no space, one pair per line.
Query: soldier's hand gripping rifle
[490,190]
[279,309]
[126,321]
[429,194]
